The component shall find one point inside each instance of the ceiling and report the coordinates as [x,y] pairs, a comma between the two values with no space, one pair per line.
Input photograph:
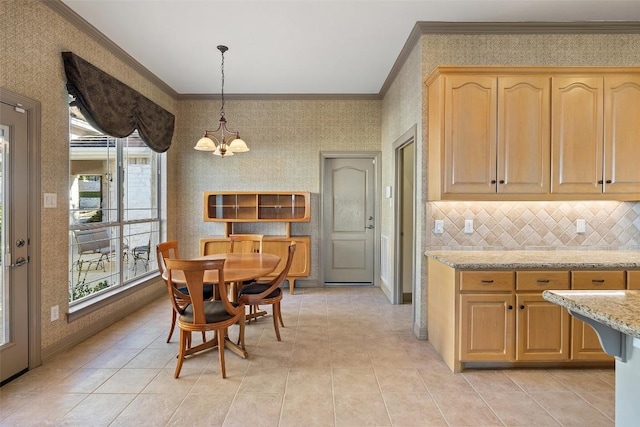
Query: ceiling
[301,46]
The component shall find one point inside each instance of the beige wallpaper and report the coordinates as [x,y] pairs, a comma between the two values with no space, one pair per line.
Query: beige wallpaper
[285,137]
[32,37]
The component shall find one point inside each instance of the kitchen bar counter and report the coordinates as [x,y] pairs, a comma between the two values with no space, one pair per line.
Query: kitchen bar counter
[562,260]
[619,310]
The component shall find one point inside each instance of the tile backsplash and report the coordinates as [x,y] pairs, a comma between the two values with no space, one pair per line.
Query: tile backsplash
[535,225]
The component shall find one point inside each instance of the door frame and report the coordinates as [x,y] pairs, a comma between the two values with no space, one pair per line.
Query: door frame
[375,156]
[33,109]
[409,137]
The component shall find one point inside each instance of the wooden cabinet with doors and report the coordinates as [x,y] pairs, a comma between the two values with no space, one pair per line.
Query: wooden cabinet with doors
[534,133]
[261,207]
[486,315]
[494,132]
[585,343]
[543,328]
[595,134]
[500,317]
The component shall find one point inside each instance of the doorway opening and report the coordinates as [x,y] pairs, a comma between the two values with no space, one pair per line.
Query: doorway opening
[405,214]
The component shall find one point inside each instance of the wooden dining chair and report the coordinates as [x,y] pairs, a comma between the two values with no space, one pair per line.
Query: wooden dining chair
[269,292]
[246,243]
[202,316]
[180,295]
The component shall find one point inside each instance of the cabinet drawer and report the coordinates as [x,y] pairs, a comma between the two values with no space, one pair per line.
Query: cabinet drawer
[633,280]
[542,280]
[598,280]
[487,281]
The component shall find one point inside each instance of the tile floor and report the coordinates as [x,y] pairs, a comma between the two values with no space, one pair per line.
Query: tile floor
[347,358]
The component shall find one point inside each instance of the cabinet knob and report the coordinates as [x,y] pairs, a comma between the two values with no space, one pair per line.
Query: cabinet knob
[493,181]
[521,306]
[501,181]
[509,307]
[600,181]
[608,181]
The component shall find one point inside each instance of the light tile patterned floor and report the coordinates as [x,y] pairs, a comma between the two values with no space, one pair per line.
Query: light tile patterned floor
[347,358]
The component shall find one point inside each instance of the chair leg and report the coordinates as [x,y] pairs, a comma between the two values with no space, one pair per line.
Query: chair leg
[241,324]
[173,325]
[183,348]
[221,333]
[280,314]
[275,320]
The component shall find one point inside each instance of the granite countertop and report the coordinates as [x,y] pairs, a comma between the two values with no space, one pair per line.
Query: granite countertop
[508,260]
[620,310]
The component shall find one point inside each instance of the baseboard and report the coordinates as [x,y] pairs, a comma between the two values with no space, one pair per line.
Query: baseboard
[420,333]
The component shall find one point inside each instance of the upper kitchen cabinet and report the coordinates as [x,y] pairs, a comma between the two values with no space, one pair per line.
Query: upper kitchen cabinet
[493,134]
[596,135]
[533,133]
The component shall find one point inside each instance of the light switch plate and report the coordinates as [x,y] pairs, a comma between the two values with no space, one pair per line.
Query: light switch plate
[468,226]
[438,226]
[581,226]
[50,200]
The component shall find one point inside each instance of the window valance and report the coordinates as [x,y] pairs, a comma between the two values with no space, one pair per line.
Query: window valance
[113,107]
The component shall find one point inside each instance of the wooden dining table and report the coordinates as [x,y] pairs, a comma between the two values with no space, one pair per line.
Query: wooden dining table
[238,267]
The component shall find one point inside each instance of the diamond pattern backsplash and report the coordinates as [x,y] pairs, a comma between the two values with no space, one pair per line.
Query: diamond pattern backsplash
[535,225]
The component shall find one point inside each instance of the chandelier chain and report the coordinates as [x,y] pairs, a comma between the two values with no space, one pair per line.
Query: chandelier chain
[222,90]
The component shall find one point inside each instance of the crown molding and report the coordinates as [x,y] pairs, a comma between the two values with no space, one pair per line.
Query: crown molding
[583,27]
[437,27]
[282,97]
[73,18]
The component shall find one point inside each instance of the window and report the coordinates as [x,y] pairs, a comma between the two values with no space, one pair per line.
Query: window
[114,210]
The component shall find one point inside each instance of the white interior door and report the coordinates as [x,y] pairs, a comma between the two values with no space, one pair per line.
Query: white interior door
[14,277]
[348,214]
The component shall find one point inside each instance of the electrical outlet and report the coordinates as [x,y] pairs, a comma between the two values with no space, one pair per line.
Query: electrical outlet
[438,226]
[55,313]
[581,226]
[468,226]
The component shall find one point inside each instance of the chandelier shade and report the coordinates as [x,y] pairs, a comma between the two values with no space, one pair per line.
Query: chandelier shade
[222,141]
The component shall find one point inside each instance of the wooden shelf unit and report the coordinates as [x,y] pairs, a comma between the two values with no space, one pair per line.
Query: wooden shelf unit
[267,206]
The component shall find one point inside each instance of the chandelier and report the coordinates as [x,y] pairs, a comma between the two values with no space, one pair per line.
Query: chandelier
[222,141]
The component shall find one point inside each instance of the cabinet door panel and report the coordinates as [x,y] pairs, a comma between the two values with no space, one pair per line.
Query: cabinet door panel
[622,134]
[301,257]
[542,329]
[585,344]
[486,327]
[470,134]
[523,134]
[577,135]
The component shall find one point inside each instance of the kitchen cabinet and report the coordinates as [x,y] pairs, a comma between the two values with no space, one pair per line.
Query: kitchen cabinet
[495,134]
[533,133]
[595,135]
[543,328]
[585,344]
[261,207]
[500,317]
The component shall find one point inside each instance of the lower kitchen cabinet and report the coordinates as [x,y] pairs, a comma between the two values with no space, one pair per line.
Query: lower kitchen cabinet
[486,327]
[585,344]
[501,318]
[543,329]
